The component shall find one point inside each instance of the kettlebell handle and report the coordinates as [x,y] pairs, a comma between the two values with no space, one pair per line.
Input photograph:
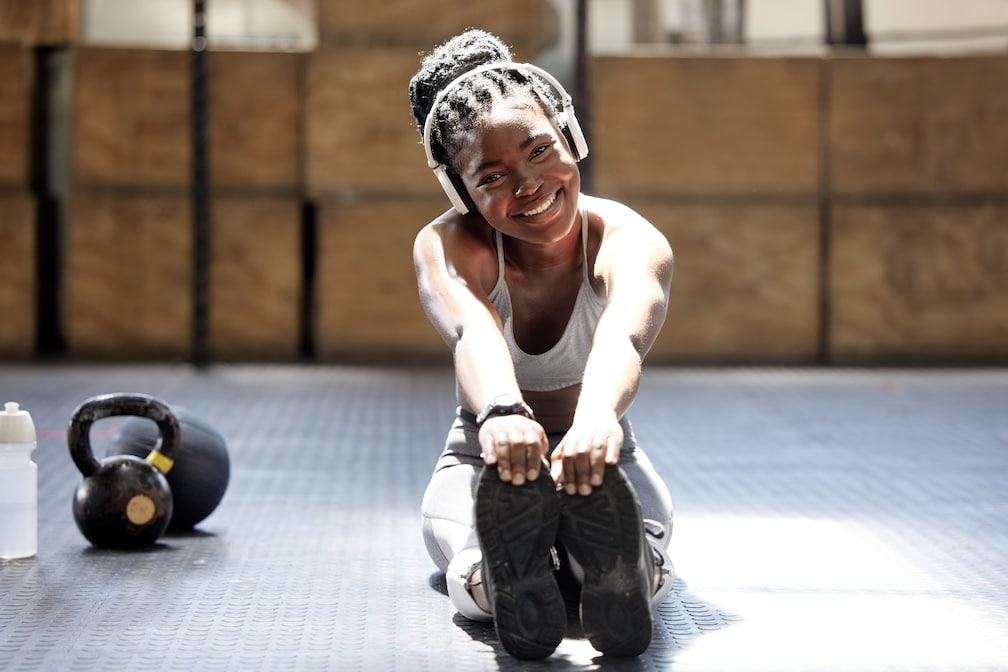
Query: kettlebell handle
[115,404]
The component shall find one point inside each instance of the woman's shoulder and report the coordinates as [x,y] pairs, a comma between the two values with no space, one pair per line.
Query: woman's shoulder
[450,229]
[617,228]
[608,217]
[463,243]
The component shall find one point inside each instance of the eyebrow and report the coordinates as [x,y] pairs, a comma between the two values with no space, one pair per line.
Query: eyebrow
[493,162]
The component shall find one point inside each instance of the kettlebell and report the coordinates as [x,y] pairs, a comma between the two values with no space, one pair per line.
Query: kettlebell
[124,502]
[201,470]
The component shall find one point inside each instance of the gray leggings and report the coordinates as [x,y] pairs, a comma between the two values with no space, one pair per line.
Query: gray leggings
[447,508]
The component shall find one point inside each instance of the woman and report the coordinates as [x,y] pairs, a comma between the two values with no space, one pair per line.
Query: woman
[549,300]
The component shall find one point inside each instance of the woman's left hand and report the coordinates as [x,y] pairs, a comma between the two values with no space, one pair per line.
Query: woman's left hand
[578,462]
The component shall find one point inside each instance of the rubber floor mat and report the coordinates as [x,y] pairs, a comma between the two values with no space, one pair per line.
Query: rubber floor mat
[825,519]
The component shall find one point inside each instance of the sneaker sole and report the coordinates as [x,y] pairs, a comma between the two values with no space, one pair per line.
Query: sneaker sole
[604,532]
[517,527]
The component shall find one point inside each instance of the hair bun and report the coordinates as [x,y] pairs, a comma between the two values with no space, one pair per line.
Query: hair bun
[447,61]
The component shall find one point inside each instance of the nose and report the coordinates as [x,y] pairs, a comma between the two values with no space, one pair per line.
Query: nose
[528,184]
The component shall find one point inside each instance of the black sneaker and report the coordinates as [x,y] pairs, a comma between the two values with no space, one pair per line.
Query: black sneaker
[517,528]
[604,533]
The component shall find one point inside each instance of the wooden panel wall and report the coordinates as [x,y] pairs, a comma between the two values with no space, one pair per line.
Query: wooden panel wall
[15,110]
[25,25]
[361,138]
[367,294]
[129,276]
[131,118]
[745,283]
[39,21]
[128,288]
[672,125]
[18,282]
[722,154]
[527,25]
[132,113]
[874,188]
[132,172]
[256,279]
[919,125]
[918,165]
[919,281]
[17,276]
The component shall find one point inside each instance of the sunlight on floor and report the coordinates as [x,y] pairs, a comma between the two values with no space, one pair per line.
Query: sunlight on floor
[828,594]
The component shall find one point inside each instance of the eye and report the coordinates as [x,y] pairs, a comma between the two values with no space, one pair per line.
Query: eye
[541,149]
[491,178]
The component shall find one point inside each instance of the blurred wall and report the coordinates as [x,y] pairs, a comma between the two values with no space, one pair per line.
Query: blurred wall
[841,209]
[26,28]
[846,209]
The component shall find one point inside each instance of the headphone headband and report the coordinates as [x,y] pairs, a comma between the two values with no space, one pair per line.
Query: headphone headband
[564,120]
[528,68]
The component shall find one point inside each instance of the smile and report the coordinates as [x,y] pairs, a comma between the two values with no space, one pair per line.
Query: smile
[542,208]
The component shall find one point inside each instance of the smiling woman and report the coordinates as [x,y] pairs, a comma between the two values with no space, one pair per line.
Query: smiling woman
[549,299]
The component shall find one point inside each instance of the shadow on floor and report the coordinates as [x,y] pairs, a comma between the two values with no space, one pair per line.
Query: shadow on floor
[679,621]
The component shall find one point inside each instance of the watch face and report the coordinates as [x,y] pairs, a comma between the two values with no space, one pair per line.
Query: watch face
[507,400]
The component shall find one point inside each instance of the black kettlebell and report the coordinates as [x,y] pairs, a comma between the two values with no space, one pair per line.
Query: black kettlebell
[124,501]
[201,470]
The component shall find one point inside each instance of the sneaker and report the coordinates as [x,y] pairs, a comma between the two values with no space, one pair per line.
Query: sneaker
[460,579]
[517,527]
[664,571]
[604,533]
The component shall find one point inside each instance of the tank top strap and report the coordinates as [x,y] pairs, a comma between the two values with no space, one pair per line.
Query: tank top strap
[499,242]
[584,242]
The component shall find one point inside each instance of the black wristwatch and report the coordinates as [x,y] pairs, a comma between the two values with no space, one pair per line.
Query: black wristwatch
[504,404]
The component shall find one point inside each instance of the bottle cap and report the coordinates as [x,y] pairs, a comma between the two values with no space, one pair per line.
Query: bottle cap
[16,426]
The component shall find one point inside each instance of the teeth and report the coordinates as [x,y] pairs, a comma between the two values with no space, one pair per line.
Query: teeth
[541,208]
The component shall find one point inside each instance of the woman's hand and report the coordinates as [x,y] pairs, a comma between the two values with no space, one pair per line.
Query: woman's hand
[515,444]
[579,462]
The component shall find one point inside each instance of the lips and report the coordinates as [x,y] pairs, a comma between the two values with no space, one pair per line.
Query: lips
[542,208]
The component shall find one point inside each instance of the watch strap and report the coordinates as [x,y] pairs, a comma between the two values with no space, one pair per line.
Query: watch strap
[499,407]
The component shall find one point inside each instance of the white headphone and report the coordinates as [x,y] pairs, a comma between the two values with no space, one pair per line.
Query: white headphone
[563,120]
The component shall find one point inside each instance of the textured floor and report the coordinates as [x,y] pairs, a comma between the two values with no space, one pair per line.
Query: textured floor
[825,520]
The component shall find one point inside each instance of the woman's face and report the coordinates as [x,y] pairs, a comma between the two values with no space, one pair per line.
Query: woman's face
[520,173]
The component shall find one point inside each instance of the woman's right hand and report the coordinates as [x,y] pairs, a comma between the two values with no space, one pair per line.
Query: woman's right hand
[516,445]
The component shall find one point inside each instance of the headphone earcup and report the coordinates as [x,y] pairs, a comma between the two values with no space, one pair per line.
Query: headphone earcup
[572,131]
[458,201]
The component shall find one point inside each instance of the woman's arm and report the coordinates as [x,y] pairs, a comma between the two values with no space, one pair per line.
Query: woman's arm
[454,269]
[635,263]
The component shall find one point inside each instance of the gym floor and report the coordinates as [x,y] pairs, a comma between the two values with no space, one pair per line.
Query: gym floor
[825,520]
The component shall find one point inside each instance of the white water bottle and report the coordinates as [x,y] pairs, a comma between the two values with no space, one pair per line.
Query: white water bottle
[18,484]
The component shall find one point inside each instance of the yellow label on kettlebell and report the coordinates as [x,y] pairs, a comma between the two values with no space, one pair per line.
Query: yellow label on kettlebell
[140,509]
[160,462]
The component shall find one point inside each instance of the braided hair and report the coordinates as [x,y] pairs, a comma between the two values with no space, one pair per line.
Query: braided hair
[467,102]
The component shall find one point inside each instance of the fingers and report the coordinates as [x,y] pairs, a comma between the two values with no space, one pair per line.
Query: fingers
[580,464]
[533,461]
[516,445]
[556,467]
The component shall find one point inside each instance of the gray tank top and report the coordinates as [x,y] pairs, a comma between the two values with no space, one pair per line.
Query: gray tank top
[562,365]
